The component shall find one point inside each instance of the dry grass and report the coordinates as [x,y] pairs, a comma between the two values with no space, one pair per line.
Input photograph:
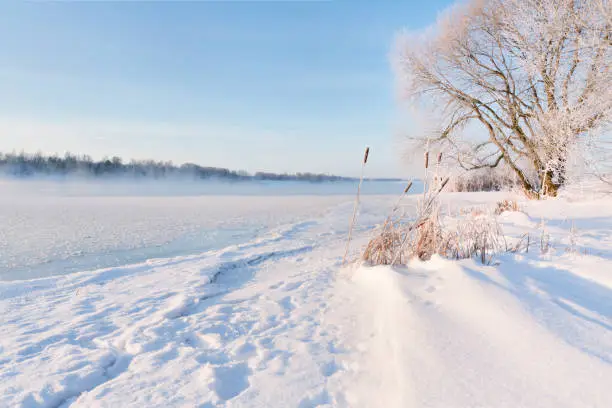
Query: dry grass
[428,240]
[573,240]
[507,205]
[482,180]
[383,248]
[354,216]
[398,241]
[476,234]
[545,245]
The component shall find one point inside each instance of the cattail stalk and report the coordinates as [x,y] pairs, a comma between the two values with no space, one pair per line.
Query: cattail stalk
[407,189]
[444,183]
[425,179]
[397,203]
[352,222]
[389,223]
[424,214]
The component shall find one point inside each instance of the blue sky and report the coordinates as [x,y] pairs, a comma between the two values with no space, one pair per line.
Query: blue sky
[273,86]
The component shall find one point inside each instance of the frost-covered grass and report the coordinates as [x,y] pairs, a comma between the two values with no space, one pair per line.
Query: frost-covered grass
[273,319]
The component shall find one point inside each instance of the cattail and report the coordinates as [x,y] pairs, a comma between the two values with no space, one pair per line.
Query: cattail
[444,184]
[408,188]
[439,157]
[352,223]
[426,160]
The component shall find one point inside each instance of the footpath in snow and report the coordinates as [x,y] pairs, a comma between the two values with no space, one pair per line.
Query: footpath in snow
[278,322]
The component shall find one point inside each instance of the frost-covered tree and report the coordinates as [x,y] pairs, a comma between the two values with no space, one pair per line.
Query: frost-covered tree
[534,75]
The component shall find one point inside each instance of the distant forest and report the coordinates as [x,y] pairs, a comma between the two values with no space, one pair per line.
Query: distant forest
[29,165]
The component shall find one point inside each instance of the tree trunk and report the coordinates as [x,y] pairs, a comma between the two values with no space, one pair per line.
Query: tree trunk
[550,188]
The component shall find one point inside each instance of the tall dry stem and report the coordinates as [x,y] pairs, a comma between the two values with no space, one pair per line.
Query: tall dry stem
[356,206]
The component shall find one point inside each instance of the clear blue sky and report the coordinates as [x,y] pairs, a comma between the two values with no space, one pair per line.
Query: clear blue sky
[274,86]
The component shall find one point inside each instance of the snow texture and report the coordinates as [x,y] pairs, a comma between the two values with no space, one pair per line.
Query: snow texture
[272,319]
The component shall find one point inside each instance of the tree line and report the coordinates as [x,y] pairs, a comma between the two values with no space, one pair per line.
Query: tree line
[29,165]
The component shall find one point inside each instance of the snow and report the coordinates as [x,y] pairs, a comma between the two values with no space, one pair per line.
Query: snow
[73,234]
[51,228]
[270,317]
[464,335]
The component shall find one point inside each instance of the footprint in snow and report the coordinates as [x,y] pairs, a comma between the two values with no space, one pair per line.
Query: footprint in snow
[206,341]
[231,380]
[330,368]
[292,286]
[226,310]
[335,349]
[287,303]
[214,359]
[276,285]
[321,398]
[266,343]
[244,351]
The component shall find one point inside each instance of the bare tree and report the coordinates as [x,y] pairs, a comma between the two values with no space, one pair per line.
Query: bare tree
[535,75]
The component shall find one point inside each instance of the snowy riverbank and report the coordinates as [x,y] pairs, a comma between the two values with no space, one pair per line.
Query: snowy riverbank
[273,319]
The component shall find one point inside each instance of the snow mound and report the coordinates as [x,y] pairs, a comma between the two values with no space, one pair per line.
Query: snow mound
[447,334]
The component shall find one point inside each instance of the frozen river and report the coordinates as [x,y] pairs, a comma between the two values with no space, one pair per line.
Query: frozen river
[53,228]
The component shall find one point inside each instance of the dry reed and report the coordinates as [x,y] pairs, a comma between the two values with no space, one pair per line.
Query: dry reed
[397,241]
[507,205]
[356,206]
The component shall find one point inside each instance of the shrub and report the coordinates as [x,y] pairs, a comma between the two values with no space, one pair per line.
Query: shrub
[507,205]
[490,180]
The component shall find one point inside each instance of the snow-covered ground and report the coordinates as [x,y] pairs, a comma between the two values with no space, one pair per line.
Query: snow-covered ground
[270,318]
